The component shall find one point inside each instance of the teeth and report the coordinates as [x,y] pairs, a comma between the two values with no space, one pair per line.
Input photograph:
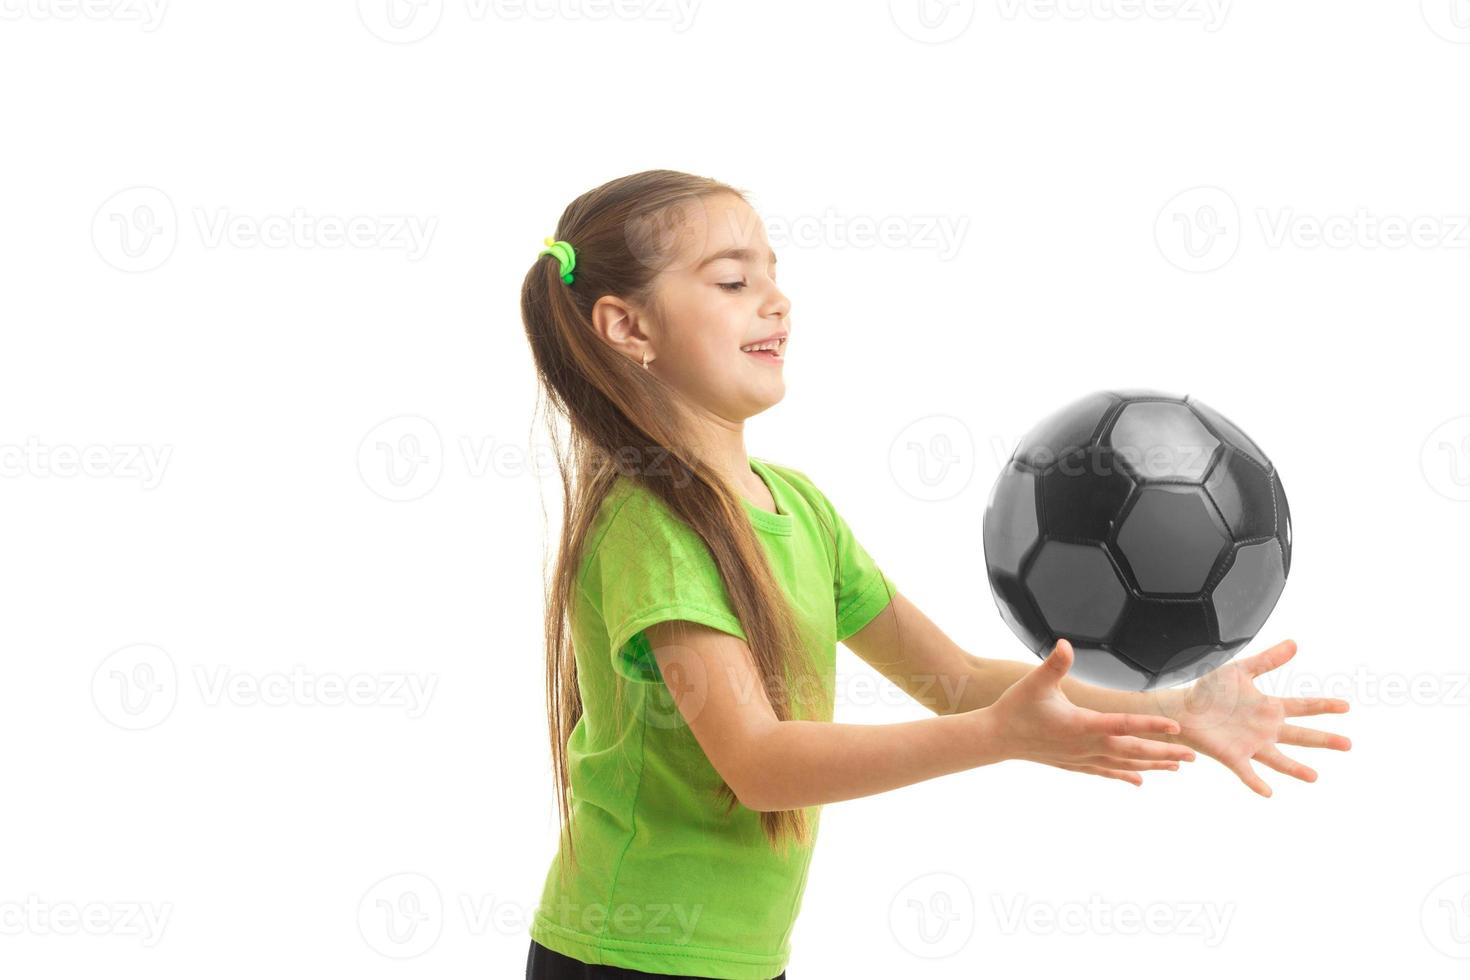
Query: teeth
[768,345]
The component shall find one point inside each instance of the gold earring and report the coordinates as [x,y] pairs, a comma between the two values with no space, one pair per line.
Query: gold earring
[645,359]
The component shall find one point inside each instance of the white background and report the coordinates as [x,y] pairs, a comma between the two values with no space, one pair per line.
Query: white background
[245,460]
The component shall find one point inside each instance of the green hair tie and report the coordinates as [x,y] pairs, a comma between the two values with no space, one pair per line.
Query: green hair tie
[565,254]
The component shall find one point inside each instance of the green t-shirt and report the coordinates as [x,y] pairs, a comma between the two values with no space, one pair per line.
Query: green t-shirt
[666,882]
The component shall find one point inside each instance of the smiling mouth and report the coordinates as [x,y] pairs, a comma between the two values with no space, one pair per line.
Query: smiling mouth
[776,351]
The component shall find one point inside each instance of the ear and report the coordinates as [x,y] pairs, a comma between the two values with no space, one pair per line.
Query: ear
[620,326]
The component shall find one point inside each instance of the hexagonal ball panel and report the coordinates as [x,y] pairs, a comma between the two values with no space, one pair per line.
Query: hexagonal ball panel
[1083,494]
[1016,609]
[1162,441]
[1171,538]
[1155,633]
[1077,589]
[1242,491]
[1100,666]
[1070,427]
[1010,519]
[1248,592]
[1229,431]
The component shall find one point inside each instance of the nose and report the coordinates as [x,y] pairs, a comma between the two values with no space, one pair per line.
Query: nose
[777,305]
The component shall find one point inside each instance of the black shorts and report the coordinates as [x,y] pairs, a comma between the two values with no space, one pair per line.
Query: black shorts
[548,964]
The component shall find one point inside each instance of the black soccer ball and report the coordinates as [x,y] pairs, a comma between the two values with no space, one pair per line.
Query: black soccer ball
[1146,529]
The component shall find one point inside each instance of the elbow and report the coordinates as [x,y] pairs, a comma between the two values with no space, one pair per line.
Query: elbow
[754,797]
[753,778]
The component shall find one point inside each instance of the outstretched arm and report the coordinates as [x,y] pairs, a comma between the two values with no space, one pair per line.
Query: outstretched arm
[1222,715]
[773,764]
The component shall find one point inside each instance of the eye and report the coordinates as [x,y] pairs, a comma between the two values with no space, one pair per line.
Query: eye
[731,287]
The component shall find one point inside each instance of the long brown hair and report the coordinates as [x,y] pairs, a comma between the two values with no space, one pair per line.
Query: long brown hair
[621,419]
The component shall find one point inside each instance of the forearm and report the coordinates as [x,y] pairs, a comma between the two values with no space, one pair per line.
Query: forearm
[809,763]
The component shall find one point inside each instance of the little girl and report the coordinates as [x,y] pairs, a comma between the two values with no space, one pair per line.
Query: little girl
[698,598]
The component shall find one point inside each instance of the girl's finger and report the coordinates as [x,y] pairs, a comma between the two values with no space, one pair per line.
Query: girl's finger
[1125,724]
[1142,748]
[1296,707]
[1248,776]
[1113,762]
[1310,737]
[1282,764]
[1127,777]
[1269,659]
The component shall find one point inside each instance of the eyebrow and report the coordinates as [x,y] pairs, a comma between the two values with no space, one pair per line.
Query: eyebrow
[743,254]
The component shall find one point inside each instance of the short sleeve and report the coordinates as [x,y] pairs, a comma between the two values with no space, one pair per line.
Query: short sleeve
[648,566]
[860,589]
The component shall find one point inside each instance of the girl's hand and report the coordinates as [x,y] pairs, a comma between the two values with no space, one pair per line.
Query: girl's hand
[1225,717]
[1033,720]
